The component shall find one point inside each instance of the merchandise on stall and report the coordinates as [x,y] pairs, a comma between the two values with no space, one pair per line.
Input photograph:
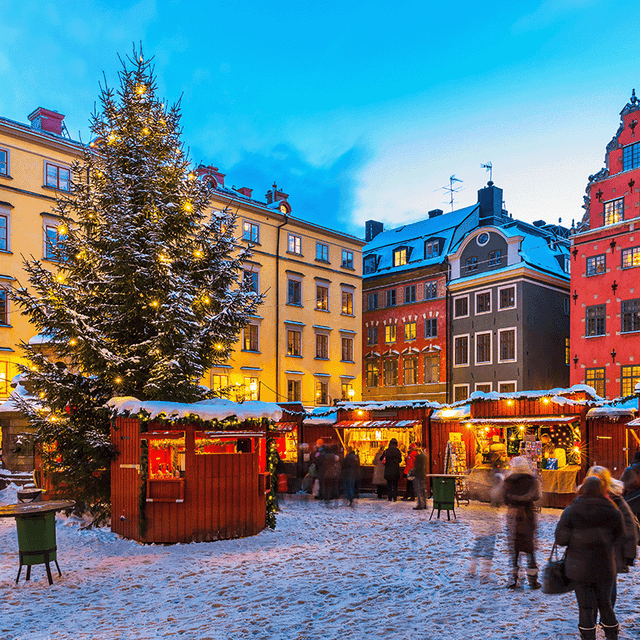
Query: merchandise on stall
[366,437]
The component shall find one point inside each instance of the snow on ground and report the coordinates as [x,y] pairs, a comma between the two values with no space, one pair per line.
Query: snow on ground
[378,570]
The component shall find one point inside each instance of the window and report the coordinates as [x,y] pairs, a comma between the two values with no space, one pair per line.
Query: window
[369,264]
[373,373]
[251,388]
[507,344]
[250,231]
[400,257]
[485,387]
[5,387]
[595,320]
[250,342]
[53,234]
[4,162]
[4,231]
[430,290]
[506,387]
[322,252]
[460,392]
[431,248]
[565,261]
[630,378]
[347,302]
[322,392]
[430,327]
[613,211]
[595,378]
[294,292]
[322,297]
[347,350]
[461,350]
[294,391]
[567,351]
[483,348]
[57,176]
[372,335]
[630,157]
[483,302]
[631,315]
[596,265]
[410,293]
[431,368]
[566,306]
[294,342]
[495,258]
[391,297]
[219,382]
[461,307]
[390,333]
[251,280]
[507,298]
[4,308]
[631,257]
[410,369]
[390,372]
[471,264]
[322,346]
[346,391]
[410,332]
[294,244]
[347,259]
[372,301]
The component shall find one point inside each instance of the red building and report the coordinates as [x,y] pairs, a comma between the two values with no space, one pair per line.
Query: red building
[605,318]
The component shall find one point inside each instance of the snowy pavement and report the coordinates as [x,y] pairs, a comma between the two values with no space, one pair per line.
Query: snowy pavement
[379,570]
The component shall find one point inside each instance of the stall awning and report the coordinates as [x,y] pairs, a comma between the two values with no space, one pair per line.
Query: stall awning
[634,423]
[285,426]
[520,420]
[377,424]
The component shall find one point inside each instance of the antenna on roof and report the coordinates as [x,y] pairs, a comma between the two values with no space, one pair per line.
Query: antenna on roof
[489,167]
[451,189]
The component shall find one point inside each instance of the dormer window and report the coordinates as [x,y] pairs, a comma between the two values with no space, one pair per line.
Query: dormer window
[369,264]
[495,258]
[471,264]
[431,248]
[400,256]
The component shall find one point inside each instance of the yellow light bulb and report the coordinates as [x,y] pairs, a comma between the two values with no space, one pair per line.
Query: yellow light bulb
[191,176]
[60,277]
[206,300]
[141,88]
[197,253]
[188,206]
[118,380]
[111,138]
[73,342]
[219,347]
[145,131]
[62,229]
[154,303]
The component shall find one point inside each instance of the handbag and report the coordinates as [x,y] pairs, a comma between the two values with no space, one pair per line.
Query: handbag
[554,578]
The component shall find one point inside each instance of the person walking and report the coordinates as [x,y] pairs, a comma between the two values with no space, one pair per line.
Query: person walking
[351,472]
[409,492]
[520,490]
[392,459]
[378,480]
[590,527]
[631,479]
[420,477]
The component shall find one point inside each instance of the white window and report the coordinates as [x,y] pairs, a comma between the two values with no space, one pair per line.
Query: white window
[461,351]
[483,302]
[484,344]
[508,386]
[461,307]
[57,176]
[251,231]
[507,345]
[295,244]
[507,297]
[460,392]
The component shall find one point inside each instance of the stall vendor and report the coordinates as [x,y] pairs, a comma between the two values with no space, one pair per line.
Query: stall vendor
[497,455]
[552,452]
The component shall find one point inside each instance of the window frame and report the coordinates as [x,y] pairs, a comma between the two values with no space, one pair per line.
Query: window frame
[249,340]
[461,336]
[477,335]
[293,280]
[391,294]
[410,335]
[348,299]
[629,379]
[483,384]
[515,299]
[476,295]
[322,346]
[7,170]
[294,347]
[429,288]
[5,212]
[296,385]
[596,380]
[58,166]
[410,293]
[48,249]
[471,264]
[248,228]
[219,381]
[501,332]
[372,332]
[347,259]
[322,301]
[5,307]
[431,321]
[432,356]
[322,252]
[594,321]
[389,330]
[455,310]
[254,276]
[400,256]
[372,372]
[294,247]
[466,391]
[370,297]
[495,258]
[635,257]
[429,246]
[595,260]
[413,359]
[611,215]
[392,371]
[630,156]
[505,382]
[631,314]
[321,397]
[347,349]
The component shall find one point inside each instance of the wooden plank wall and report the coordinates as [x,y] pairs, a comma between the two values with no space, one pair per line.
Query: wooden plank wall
[522,407]
[440,430]
[607,445]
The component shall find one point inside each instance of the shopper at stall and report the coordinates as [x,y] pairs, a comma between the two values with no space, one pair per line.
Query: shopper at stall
[521,490]
[589,527]
[626,548]
[409,493]
[378,480]
[392,459]
[350,473]
[420,478]
[631,479]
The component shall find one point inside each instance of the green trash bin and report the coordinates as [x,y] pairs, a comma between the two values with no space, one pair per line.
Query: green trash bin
[37,542]
[444,495]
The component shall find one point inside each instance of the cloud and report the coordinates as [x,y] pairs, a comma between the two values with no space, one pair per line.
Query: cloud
[548,13]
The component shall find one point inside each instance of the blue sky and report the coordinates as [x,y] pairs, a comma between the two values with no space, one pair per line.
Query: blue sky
[358,110]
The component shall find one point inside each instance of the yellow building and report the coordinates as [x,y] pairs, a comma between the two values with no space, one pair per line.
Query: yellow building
[35,164]
[304,344]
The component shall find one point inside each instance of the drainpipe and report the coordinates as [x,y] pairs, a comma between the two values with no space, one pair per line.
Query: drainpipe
[447,346]
[286,219]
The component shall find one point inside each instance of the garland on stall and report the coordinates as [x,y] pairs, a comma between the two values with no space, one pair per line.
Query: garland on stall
[228,424]
[143,523]
[272,461]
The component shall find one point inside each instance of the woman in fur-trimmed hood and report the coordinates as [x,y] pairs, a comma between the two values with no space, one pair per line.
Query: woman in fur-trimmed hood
[521,490]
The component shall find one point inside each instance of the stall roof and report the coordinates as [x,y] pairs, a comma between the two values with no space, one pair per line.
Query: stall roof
[377,424]
[557,395]
[611,413]
[382,405]
[521,419]
[460,412]
[634,423]
[285,426]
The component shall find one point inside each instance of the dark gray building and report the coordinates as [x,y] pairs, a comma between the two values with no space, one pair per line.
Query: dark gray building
[508,304]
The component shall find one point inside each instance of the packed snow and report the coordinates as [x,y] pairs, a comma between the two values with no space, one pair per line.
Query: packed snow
[378,570]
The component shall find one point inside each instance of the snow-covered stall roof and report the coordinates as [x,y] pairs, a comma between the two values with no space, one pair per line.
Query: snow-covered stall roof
[9,405]
[611,413]
[215,409]
[321,416]
[459,412]
[382,405]
[558,395]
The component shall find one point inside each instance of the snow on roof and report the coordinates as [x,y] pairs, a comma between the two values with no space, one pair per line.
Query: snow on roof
[612,413]
[383,405]
[459,412]
[321,415]
[9,405]
[558,395]
[215,409]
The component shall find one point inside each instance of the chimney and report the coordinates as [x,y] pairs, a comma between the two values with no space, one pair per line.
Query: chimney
[490,201]
[46,120]
[212,172]
[434,213]
[539,223]
[372,228]
[273,195]
[245,191]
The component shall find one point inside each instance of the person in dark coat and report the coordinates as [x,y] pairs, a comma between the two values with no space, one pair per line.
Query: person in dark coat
[392,459]
[631,479]
[420,478]
[520,490]
[409,493]
[351,473]
[590,527]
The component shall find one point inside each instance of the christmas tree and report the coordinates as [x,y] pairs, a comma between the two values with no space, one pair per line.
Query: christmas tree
[147,294]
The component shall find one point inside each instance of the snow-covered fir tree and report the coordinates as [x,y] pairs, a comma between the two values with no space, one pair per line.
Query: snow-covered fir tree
[147,294]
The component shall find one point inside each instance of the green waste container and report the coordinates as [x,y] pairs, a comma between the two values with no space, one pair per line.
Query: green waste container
[444,495]
[37,542]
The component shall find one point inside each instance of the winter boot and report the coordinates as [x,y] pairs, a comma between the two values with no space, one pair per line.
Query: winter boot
[611,633]
[587,634]
[514,582]
[532,576]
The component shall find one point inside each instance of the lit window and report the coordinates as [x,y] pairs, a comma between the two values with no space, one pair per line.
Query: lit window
[596,265]
[631,257]
[250,231]
[251,389]
[400,257]
[322,392]
[57,176]
[373,373]
[410,331]
[294,392]
[347,350]
[322,252]
[567,351]
[219,382]
[613,211]
[347,303]
[390,333]
[5,387]
[294,342]
[595,378]
[250,342]
[322,297]
[431,368]
[630,378]
[295,244]
[346,391]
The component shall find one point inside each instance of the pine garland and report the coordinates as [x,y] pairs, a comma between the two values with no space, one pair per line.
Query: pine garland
[272,460]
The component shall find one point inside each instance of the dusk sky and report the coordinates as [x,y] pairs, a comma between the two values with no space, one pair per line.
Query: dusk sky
[358,110]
